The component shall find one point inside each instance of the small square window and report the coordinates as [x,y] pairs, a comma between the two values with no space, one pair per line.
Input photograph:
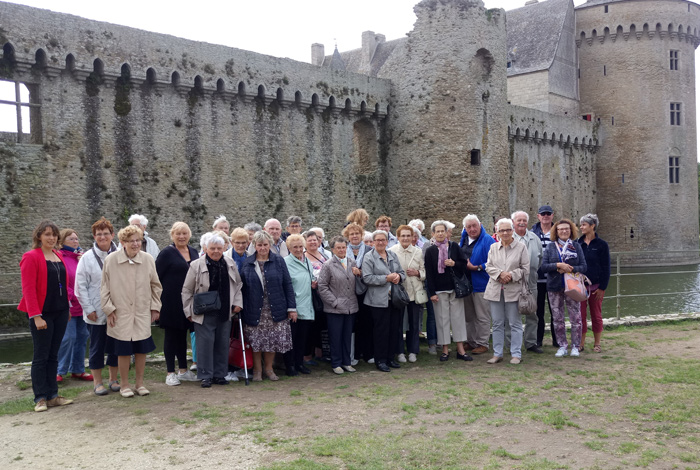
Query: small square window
[19,113]
[475,155]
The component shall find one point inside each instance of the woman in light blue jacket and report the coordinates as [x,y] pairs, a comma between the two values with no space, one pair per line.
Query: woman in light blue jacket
[300,271]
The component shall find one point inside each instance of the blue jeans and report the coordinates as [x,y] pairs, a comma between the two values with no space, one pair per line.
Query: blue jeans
[71,356]
[430,327]
[499,312]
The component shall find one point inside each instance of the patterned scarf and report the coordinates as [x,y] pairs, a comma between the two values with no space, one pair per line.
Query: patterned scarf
[442,254]
[567,250]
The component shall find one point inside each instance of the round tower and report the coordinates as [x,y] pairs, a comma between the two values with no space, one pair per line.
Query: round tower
[637,80]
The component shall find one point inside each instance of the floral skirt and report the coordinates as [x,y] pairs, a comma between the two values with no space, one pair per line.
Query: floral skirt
[269,335]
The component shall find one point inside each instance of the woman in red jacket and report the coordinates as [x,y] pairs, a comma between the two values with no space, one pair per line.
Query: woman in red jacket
[45,299]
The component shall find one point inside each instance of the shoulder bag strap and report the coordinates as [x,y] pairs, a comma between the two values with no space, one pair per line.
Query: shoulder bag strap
[99,261]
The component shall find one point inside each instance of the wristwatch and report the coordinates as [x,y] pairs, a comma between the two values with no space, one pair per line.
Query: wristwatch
[479,268]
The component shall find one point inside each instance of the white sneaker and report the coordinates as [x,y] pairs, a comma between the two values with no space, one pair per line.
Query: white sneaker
[412,358]
[338,370]
[193,367]
[432,349]
[231,377]
[354,362]
[188,376]
[574,352]
[562,352]
[402,358]
[371,361]
[171,379]
[349,369]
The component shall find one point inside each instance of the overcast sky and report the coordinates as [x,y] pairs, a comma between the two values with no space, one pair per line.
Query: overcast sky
[282,28]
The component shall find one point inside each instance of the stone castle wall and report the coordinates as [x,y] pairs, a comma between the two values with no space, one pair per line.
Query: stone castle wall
[627,82]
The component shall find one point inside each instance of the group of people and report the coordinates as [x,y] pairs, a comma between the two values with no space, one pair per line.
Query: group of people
[358,294]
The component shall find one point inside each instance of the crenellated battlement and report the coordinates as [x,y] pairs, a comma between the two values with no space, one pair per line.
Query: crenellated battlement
[674,32]
[530,125]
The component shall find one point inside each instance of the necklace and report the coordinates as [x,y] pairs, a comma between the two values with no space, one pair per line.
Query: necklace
[58,277]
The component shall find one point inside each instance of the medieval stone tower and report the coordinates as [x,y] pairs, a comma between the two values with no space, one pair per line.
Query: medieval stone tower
[637,80]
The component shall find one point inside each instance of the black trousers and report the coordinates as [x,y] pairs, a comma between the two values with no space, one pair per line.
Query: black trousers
[541,299]
[45,359]
[413,311]
[364,331]
[387,325]
[340,337]
[301,329]
[175,346]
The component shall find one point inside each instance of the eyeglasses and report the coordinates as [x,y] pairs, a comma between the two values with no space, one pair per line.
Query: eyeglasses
[505,230]
[134,242]
[565,229]
[102,235]
[545,213]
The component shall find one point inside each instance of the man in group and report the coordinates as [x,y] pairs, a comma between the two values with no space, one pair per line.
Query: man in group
[475,244]
[545,215]
[293,227]
[384,223]
[534,249]
[274,228]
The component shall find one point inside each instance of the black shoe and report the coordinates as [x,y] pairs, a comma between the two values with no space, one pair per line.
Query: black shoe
[535,349]
[394,364]
[291,371]
[219,381]
[303,369]
[464,357]
[383,367]
[206,383]
[444,357]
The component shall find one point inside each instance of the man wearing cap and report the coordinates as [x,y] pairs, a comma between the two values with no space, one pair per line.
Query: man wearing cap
[545,215]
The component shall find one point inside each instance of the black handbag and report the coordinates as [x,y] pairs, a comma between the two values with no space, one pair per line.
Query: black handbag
[462,284]
[317,301]
[399,296]
[206,302]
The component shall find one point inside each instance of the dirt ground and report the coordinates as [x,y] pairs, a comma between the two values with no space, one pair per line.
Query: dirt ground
[189,427]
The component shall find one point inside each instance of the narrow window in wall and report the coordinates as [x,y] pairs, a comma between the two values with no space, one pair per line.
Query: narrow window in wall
[673,170]
[475,155]
[674,60]
[605,70]
[606,8]
[612,120]
[675,114]
[19,114]
[579,73]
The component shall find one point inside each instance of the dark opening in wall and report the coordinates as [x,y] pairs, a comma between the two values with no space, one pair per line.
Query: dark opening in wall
[151,76]
[606,8]
[475,157]
[605,70]
[612,120]
[674,170]
[297,98]
[220,85]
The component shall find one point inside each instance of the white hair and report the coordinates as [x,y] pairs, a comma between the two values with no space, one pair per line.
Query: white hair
[270,221]
[204,239]
[221,218]
[380,232]
[504,221]
[470,217]
[449,225]
[514,214]
[417,223]
[318,231]
[416,231]
[211,238]
[142,220]
[367,236]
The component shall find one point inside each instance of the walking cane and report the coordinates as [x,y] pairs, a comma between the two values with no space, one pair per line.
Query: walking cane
[245,362]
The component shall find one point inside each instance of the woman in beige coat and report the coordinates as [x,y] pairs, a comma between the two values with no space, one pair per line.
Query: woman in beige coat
[213,272]
[411,260]
[130,294]
[508,267]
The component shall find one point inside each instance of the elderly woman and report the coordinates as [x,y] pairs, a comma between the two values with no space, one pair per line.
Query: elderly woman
[508,267]
[213,272]
[302,280]
[239,242]
[411,260]
[564,255]
[356,250]
[321,243]
[381,269]
[147,244]
[420,226]
[71,356]
[268,296]
[45,300]
[449,310]
[336,286]
[88,280]
[597,255]
[317,256]
[252,228]
[130,294]
[172,266]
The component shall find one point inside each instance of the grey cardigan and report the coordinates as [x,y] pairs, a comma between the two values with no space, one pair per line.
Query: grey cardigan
[374,272]
[336,286]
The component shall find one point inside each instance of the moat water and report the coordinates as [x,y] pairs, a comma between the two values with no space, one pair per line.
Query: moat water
[20,349]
